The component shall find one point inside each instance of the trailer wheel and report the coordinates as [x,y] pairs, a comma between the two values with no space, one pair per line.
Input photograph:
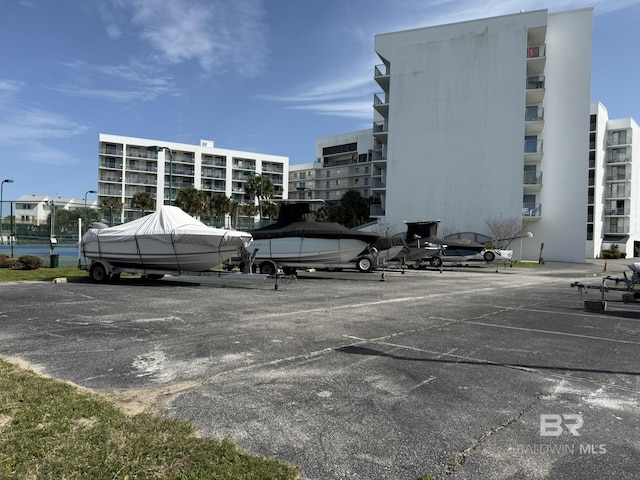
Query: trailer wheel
[289,270]
[489,256]
[435,262]
[364,264]
[99,273]
[155,276]
[268,268]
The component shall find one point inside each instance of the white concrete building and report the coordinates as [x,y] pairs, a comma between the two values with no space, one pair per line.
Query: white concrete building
[35,209]
[472,114]
[343,163]
[614,184]
[128,165]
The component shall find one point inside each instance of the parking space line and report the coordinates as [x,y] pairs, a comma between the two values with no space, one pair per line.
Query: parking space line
[552,332]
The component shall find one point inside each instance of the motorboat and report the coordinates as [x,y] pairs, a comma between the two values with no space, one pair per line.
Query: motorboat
[418,239]
[168,239]
[296,238]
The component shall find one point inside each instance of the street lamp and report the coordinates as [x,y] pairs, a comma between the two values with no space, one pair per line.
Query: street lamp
[6,180]
[85,203]
[156,148]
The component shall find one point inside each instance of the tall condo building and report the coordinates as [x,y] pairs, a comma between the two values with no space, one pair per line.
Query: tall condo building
[128,165]
[487,119]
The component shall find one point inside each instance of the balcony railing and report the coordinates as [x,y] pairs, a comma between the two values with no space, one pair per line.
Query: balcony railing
[535,83]
[379,98]
[531,210]
[616,229]
[621,158]
[534,114]
[533,146]
[617,194]
[617,212]
[620,177]
[379,127]
[532,178]
[380,70]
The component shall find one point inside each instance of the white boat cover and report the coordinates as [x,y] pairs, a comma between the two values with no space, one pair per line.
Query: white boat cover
[171,225]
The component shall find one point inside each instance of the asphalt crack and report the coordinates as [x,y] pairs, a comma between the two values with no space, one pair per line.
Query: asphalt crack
[461,457]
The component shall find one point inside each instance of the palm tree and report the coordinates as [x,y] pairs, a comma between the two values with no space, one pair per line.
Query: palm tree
[192,201]
[261,187]
[143,201]
[108,205]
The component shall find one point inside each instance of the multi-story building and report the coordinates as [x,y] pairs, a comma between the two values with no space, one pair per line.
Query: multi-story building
[343,162]
[472,114]
[35,209]
[128,165]
[614,184]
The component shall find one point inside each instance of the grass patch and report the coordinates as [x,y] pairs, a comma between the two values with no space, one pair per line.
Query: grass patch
[44,274]
[51,429]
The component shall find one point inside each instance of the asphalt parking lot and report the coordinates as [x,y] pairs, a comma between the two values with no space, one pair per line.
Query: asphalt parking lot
[465,374]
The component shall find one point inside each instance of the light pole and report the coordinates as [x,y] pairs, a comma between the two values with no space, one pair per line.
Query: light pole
[6,180]
[85,203]
[157,148]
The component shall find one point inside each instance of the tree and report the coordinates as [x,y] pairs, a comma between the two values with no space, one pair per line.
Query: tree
[143,201]
[353,210]
[110,206]
[259,186]
[219,205]
[504,230]
[192,201]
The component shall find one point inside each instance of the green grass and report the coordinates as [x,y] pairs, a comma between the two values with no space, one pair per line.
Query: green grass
[50,429]
[11,275]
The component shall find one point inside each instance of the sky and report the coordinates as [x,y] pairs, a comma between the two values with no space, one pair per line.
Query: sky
[268,76]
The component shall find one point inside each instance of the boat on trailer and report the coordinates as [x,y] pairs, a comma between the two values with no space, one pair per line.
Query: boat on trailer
[168,239]
[296,240]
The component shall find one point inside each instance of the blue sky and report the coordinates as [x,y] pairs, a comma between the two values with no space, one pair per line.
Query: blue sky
[268,76]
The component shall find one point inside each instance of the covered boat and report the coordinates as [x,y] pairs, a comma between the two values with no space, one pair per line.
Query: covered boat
[166,239]
[297,237]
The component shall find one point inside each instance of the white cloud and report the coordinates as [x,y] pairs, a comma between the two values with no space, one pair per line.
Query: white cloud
[219,35]
[25,129]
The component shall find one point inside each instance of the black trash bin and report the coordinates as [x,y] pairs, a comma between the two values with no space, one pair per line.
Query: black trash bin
[53,261]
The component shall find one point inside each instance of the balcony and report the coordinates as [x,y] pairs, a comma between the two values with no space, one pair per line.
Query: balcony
[618,177]
[616,229]
[534,120]
[380,131]
[376,210]
[622,138]
[535,89]
[536,58]
[619,158]
[531,211]
[617,212]
[622,193]
[381,75]
[533,149]
[380,103]
[532,179]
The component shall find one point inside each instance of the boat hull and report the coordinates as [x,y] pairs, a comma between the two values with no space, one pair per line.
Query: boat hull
[307,250]
[154,254]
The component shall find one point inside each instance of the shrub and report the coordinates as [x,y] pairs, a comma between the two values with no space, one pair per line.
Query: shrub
[8,262]
[30,262]
[613,252]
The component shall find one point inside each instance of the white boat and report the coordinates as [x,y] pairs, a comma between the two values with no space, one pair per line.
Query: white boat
[297,238]
[168,239]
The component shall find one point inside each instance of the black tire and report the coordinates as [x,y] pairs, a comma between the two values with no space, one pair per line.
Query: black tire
[99,273]
[435,262]
[155,276]
[268,268]
[289,270]
[489,256]
[364,264]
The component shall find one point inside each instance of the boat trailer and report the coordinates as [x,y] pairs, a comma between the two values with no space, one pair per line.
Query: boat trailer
[628,286]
